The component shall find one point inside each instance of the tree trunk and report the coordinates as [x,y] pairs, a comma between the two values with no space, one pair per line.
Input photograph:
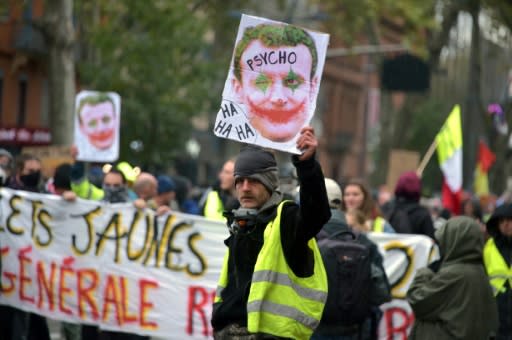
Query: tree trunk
[57,27]
[403,119]
[472,121]
[385,139]
[436,42]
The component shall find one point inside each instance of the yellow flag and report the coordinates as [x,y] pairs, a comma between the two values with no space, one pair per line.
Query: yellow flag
[449,149]
[449,138]
[481,183]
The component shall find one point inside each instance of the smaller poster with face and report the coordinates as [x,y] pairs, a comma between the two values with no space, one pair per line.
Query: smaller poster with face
[97,121]
[272,85]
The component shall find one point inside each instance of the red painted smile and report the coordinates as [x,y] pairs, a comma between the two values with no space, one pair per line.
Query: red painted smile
[102,137]
[277,115]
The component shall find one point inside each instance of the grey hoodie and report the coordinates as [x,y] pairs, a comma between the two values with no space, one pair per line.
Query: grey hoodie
[457,301]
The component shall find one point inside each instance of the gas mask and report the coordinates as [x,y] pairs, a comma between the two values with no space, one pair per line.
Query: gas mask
[115,194]
[244,221]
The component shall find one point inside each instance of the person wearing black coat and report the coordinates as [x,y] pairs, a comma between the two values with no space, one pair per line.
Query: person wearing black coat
[257,183]
[407,197]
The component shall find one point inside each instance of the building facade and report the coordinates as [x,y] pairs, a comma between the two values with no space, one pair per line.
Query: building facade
[23,82]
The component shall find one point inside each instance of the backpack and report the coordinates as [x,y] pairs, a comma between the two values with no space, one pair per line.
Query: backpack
[348,266]
[399,220]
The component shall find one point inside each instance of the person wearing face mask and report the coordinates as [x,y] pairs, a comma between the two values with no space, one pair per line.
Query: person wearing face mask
[273,283]
[28,174]
[114,187]
[18,324]
[83,188]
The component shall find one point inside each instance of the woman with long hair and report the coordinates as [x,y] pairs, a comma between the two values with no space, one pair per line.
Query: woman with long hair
[357,196]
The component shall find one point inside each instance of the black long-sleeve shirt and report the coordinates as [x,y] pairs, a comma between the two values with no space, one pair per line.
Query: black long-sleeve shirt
[299,224]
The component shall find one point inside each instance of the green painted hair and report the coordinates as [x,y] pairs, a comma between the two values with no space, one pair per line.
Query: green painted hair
[94,99]
[274,36]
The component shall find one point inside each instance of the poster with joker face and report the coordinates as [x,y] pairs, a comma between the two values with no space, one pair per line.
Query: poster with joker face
[271,90]
[97,121]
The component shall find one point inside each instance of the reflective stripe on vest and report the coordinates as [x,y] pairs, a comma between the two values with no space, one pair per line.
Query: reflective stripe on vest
[497,269]
[223,278]
[263,306]
[283,279]
[214,208]
[280,303]
[378,224]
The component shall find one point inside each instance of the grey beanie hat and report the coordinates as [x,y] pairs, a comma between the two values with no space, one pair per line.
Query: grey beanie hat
[259,164]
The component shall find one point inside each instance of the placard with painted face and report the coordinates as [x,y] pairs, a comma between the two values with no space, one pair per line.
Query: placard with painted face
[272,86]
[97,121]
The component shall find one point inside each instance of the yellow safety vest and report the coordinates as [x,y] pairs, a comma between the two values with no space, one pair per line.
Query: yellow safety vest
[497,269]
[378,224]
[85,189]
[280,303]
[213,207]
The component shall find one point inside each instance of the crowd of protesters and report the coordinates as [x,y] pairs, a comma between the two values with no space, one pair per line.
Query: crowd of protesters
[451,298]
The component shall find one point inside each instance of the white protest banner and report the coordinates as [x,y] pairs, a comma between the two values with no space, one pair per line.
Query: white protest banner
[109,264]
[403,255]
[272,85]
[123,269]
[97,122]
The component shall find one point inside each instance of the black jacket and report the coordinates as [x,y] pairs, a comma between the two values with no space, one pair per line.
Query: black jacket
[419,217]
[298,226]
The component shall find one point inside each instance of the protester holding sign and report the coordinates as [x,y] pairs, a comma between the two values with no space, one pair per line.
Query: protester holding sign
[17,324]
[121,268]
[115,191]
[271,91]
[273,282]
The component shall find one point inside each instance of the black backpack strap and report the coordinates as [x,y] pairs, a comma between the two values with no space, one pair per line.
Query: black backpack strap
[322,234]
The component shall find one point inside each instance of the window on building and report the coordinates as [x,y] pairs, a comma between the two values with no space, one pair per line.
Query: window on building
[22,100]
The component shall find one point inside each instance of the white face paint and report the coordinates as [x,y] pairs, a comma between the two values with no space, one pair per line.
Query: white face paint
[276,94]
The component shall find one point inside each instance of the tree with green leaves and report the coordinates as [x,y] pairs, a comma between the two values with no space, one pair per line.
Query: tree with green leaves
[157,56]
[426,28]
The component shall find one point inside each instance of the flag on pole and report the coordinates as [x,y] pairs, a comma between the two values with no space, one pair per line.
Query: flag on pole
[485,160]
[449,153]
